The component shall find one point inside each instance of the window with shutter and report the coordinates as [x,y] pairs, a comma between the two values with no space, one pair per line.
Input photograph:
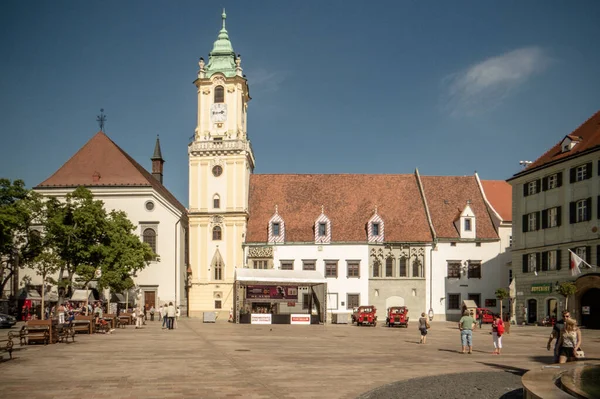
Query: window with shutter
[572,212]
[559,179]
[588,254]
[524,224]
[588,208]
[558,254]
[545,261]
[572,175]
[524,263]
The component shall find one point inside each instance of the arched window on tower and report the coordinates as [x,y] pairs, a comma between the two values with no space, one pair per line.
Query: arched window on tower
[149,237]
[217,233]
[219,94]
[376,268]
[403,269]
[417,269]
[216,201]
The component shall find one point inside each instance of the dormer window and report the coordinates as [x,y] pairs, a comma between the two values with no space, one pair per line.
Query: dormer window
[569,142]
[322,229]
[219,94]
[276,228]
[468,224]
[375,229]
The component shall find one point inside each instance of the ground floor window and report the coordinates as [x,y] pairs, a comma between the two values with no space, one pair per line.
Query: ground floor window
[453,301]
[353,301]
[218,304]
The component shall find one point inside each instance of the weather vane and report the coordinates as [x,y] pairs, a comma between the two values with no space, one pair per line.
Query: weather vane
[101,119]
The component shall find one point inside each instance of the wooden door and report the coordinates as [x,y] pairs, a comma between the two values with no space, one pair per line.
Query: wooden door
[150,299]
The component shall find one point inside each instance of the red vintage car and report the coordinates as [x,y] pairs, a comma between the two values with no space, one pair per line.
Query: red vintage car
[397,316]
[488,315]
[365,316]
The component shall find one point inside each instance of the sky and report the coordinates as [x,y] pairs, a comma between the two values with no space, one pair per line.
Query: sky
[448,87]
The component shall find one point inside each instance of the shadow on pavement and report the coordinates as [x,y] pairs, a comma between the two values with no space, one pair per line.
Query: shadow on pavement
[516,394]
[514,370]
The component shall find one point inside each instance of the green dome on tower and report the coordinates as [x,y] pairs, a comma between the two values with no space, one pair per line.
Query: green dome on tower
[222,57]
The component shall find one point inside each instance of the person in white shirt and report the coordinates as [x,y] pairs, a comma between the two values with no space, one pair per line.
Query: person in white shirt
[171,316]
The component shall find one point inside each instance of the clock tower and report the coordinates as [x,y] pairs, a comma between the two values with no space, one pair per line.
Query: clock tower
[220,164]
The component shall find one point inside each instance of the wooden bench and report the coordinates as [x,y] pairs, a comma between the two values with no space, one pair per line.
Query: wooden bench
[65,331]
[6,344]
[125,319]
[111,319]
[41,331]
[83,324]
[21,335]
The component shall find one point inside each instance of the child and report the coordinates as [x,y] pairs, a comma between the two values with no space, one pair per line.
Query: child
[497,332]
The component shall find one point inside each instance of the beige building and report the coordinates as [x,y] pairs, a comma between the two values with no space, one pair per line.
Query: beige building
[220,164]
[556,208]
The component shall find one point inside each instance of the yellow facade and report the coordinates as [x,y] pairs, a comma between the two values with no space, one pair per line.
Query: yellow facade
[220,164]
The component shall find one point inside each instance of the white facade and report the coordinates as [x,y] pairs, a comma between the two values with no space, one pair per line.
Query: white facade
[165,276]
[338,287]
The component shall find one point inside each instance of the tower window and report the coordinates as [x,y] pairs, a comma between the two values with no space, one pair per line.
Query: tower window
[322,229]
[218,266]
[276,229]
[216,202]
[216,233]
[217,170]
[149,237]
[219,94]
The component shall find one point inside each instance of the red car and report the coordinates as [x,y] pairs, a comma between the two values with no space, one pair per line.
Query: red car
[365,316]
[488,315]
[397,316]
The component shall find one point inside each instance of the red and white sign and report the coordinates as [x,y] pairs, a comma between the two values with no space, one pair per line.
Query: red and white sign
[260,318]
[300,319]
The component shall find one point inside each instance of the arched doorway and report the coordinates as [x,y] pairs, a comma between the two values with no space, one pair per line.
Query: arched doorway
[590,308]
[531,311]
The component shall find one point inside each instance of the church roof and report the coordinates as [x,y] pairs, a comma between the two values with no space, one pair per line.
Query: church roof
[447,197]
[499,195]
[348,201]
[587,137]
[102,163]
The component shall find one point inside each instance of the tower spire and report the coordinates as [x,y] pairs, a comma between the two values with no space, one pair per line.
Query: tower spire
[157,161]
[223,17]
[222,57]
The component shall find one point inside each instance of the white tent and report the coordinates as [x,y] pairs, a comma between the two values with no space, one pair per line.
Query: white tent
[82,296]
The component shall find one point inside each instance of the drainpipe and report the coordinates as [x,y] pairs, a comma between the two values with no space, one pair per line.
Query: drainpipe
[176,266]
[430,313]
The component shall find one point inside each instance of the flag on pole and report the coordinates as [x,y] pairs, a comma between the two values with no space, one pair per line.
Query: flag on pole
[575,262]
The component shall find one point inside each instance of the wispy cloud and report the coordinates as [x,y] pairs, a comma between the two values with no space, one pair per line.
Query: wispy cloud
[487,84]
[266,81]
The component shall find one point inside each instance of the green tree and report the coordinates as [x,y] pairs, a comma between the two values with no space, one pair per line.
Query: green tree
[501,294]
[46,264]
[20,208]
[567,289]
[76,230]
[122,253]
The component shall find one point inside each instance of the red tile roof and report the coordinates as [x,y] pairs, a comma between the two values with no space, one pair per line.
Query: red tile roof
[447,196]
[588,134]
[101,163]
[499,195]
[349,201]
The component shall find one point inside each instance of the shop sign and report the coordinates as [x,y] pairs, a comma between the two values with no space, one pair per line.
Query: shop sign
[271,292]
[585,310]
[291,304]
[300,319]
[542,288]
[260,318]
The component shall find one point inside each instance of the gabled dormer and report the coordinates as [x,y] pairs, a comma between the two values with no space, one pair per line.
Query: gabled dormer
[276,228]
[322,228]
[569,142]
[375,229]
[466,223]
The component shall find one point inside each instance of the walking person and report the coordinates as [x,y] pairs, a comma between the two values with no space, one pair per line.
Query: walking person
[569,341]
[152,313]
[480,317]
[165,316]
[177,314]
[555,334]
[423,327]
[497,332]
[465,325]
[171,316]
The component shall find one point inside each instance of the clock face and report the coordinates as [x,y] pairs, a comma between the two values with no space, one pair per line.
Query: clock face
[218,112]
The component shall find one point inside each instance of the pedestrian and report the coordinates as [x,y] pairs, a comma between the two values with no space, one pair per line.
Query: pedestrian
[423,327]
[480,317]
[171,315]
[570,341]
[497,332]
[139,320]
[152,313]
[160,313]
[555,335]
[61,313]
[465,325]
[165,317]
[177,314]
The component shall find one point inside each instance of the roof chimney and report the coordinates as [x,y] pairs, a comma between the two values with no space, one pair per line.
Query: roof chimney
[157,162]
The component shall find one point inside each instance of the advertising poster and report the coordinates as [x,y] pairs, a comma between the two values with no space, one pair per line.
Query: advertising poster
[271,292]
[260,318]
[300,319]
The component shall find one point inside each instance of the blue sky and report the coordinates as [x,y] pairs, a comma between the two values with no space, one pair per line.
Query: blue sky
[338,87]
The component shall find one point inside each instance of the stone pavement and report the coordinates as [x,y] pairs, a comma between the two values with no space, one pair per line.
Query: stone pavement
[224,360]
